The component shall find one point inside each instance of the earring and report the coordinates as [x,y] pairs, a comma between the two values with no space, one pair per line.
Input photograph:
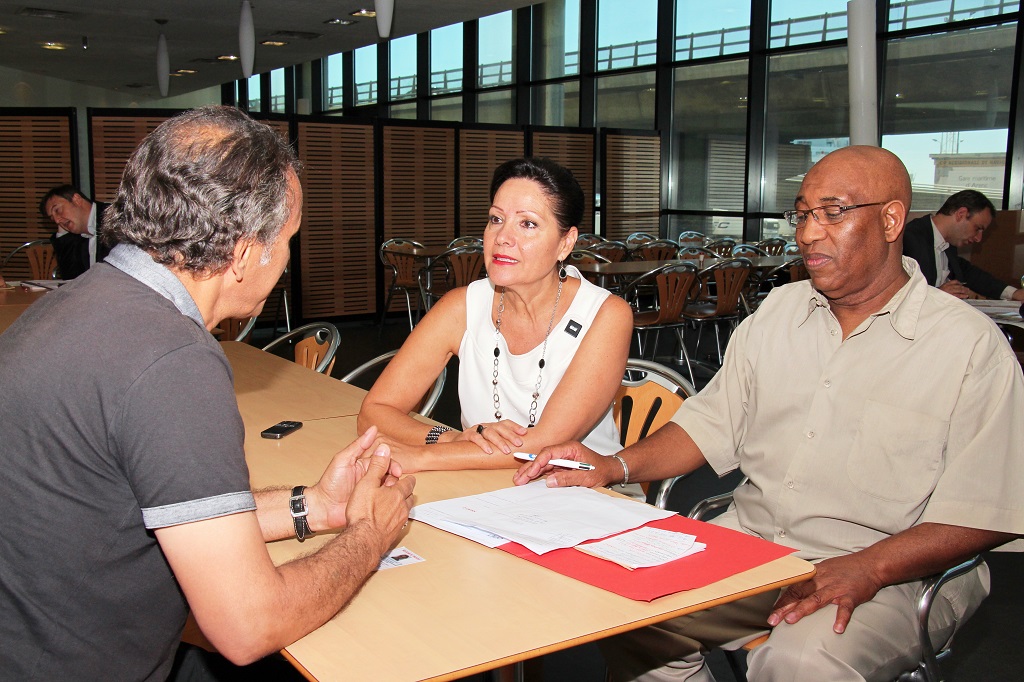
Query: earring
[561,271]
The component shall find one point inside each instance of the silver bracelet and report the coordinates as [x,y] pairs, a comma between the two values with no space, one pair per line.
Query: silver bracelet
[625,471]
[434,433]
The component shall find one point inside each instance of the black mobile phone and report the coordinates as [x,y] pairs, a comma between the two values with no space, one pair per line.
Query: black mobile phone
[281,429]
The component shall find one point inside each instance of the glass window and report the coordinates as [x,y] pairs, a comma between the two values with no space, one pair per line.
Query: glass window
[495,52]
[556,33]
[333,81]
[557,104]
[365,75]
[253,85]
[496,106]
[403,110]
[709,141]
[403,68]
[446,109]
[277,93]
[802,22]
[700,33]
[626,101]
[446,59]
[807,117]
[905,14]
[946,111]
[627,33]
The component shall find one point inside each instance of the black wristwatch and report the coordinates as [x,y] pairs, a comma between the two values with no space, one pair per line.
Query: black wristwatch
[298,510]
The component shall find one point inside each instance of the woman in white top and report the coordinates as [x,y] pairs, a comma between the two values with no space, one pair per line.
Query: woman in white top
[541,350]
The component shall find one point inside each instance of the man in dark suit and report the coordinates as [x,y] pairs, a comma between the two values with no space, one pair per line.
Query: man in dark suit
[933,241]
[79,220]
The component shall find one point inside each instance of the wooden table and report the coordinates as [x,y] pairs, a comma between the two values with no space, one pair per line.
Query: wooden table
[467,608]
[15,301]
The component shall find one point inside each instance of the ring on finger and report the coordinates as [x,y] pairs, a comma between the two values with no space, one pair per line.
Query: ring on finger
[480,428]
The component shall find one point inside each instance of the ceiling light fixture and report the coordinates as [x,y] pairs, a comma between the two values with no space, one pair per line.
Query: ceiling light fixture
[339,22]
[227,58]
[163,65]
[365,13]
[246,39]
[385,11]
[183,72]
[53,46]
[273,43]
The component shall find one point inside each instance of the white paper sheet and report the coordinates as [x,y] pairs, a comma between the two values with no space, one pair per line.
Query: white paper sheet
[541,519]
[645,547]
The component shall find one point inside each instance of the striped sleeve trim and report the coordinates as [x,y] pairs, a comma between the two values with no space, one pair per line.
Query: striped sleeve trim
[198,510]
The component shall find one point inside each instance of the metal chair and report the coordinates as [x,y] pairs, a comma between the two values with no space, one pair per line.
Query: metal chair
[748,251]
[615,252]
[456,267]
[237,329]
[927,669]
[648,397]
[429,402]
[42,263]
[775,246]
[672,285]
[719,303]
[659,249]
[777,276]
[695,252]
[791,250]
[587,239]
[637,238]
[691,238]
[397,259]
[465,241]
[723,247]
[315,345]
[586,257]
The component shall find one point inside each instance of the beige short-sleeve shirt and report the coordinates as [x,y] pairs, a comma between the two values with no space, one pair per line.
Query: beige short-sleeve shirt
[917,416]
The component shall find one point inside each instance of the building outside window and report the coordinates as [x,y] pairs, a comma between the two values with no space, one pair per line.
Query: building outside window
[277,93]
[446,59]
[333,82]
[701,34]
[627,34]
[495,49]
[365,75]
[403,68]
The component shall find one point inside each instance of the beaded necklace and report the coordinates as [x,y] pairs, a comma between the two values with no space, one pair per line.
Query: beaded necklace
[540,365]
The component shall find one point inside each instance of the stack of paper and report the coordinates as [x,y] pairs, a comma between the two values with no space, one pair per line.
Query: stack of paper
[539,518]
[644,547]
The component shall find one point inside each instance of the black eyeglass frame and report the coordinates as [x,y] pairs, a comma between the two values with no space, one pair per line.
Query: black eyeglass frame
[792,216]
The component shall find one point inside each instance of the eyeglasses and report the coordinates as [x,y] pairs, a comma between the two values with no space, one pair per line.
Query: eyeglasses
[830,214]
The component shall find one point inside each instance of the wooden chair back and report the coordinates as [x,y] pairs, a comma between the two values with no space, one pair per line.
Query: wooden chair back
[659,249]
[315,345]
[396,255]
[41,260]
[722,247]
[615,252]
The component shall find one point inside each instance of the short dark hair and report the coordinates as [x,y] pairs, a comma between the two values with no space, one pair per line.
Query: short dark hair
[558,183]
[973,200]
[198,185]
[64,192]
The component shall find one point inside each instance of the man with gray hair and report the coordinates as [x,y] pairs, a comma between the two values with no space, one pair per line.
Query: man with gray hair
[125,485]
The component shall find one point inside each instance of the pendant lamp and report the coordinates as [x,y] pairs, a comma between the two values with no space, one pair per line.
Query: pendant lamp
[385,10]
[163,65]
[246,39]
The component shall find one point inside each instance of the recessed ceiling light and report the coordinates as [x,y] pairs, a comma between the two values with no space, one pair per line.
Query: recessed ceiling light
[228,58]
[185,71]
[365,13]
[2,30]
[273,43]
[339,22]
[53,46]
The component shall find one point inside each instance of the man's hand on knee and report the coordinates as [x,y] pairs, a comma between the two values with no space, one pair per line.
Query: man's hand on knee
[846,581]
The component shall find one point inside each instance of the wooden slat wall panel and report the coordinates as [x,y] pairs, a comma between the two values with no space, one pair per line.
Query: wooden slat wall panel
[632,194]
[480,152]
[575,151]
[114,138]
[35,156]
[337,246]
[419,184]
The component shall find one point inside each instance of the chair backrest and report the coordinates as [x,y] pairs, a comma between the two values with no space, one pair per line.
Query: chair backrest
[748,250]
[797,269]
[637,238]
[615,252]
[723,246]
[775,246]
[649,395]
[42,261]
[730,274]
[396,256]
[315,345]
[456,267]
[791,250]
[586,256]
[465,241]
[691,238]
[674,283]
[659,249]
[237,329]
[587,239]
[429,402]
[688,252]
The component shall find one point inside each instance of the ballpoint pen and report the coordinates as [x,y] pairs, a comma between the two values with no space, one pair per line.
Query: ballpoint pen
[564,463]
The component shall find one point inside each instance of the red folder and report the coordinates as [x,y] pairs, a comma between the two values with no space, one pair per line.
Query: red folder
[728,553]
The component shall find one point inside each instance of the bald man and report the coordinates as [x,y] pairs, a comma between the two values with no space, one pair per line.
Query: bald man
[859,453]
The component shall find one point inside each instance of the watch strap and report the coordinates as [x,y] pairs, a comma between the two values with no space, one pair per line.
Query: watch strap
[298,510]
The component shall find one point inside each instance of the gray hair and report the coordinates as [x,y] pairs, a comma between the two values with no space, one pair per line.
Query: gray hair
[198,185]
